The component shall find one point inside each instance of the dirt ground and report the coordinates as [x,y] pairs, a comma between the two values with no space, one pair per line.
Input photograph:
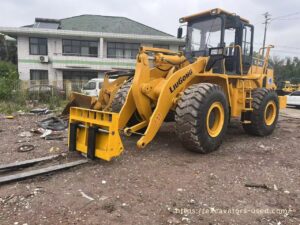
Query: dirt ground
[162,184]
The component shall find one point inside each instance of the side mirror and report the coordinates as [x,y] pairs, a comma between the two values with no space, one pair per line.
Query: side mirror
[179,32]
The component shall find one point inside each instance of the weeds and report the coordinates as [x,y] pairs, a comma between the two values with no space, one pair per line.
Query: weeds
[15,96]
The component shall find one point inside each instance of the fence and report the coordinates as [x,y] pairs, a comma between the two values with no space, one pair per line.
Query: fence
[18,95]
[37,89]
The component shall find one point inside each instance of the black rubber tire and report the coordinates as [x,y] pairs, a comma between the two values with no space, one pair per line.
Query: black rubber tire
[170,116]
[191,113]
[258,126]
[119,101]
[120,97]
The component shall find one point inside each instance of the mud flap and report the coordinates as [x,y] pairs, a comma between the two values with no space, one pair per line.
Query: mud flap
[94,133]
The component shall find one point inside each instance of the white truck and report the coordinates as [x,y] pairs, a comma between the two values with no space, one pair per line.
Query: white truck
[293,99]
[93,86]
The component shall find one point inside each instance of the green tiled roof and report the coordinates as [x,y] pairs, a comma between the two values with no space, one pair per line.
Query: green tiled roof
[108,24]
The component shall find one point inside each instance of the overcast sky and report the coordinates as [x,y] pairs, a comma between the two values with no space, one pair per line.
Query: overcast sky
[284,31]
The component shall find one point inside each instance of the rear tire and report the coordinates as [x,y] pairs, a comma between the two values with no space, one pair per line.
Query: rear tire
[265,112]
[202,117]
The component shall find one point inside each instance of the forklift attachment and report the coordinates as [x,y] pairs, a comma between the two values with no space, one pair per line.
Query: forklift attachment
[94,133]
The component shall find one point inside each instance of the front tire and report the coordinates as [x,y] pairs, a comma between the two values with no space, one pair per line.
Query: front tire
[119,101]
[120,97]
[202,117]
[265,112]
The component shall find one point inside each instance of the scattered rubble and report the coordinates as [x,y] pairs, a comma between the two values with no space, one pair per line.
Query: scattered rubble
[25,148]
[54,123]
[155,183]
[46,133]
[85,195]
[263,186]
[25,134]
[41,111]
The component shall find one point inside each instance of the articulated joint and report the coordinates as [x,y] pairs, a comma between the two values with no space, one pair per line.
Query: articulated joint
[146,88]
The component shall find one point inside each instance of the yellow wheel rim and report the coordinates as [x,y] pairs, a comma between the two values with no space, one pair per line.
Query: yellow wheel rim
[215,119]
[270,113]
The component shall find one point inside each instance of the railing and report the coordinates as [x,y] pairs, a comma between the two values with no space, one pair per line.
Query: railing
[76,54]
[62,88]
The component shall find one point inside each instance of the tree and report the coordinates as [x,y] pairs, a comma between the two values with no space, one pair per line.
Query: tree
[287,69]
[9,80]
[8,50]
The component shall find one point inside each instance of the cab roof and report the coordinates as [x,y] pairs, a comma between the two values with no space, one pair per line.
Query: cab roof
[212,12]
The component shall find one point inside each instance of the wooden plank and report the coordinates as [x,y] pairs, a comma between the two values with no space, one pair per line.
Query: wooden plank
[26,162]
[32,173]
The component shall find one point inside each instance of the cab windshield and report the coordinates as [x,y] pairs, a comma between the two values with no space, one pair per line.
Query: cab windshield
[202,35]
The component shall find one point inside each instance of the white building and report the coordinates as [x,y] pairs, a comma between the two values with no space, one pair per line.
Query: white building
[82,47]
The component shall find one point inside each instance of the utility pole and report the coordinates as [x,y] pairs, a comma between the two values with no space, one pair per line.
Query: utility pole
[267,21]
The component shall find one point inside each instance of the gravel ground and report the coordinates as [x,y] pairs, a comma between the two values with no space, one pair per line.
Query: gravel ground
[162,184]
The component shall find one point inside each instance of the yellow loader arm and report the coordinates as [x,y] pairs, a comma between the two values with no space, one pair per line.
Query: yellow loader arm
[166,90]
[102,102]
[108,92]
[96,133]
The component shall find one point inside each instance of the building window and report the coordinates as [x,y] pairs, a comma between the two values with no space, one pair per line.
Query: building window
[38,46]
[161,46]
[80,48]
[122,50]
[39,76]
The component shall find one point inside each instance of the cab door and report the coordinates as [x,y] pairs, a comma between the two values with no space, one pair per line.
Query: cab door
[247,47]
[294,98]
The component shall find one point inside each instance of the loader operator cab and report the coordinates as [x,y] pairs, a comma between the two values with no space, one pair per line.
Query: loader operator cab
[225,37]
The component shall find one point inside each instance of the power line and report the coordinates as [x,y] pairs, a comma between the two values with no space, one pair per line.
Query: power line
[284,16]
[287,52]
[277,46]
[296,18]
[284,46]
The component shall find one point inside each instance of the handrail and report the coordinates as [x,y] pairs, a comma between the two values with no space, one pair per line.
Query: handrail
[266,59]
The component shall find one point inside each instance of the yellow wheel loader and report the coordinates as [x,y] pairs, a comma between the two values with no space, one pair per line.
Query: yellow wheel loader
[214,79]
[286,88]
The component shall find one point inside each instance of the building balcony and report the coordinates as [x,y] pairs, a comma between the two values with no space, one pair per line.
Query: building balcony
[90,63]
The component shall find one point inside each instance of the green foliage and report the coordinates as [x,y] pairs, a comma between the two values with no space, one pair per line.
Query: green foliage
[54,102]
[286,69]
[11,96]
[8,70]
[9,83]
[8,50]
[8,107]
